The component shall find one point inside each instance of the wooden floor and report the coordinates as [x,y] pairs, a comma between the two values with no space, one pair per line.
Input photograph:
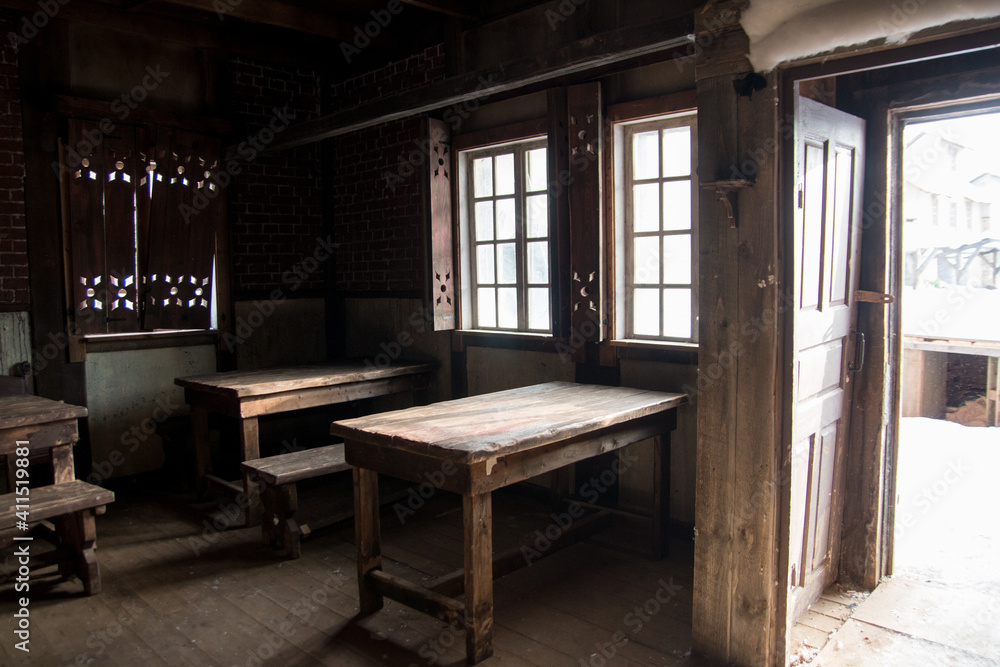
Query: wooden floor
[178,593]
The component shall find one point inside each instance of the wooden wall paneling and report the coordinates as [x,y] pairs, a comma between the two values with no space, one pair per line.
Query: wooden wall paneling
[586,206]
[120,278]
[86,210]
[736,487]
[442,229]
[759,394]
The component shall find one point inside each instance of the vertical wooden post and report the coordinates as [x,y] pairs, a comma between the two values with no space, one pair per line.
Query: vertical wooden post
[367,537]
[478,518]
[249,450]
[661,488]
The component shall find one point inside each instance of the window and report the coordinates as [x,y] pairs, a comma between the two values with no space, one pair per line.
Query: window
[655,242]
[143,207]
[505,237]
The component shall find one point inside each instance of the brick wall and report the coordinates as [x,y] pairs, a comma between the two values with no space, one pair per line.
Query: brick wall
[13,235]
[378,182]
[275,206]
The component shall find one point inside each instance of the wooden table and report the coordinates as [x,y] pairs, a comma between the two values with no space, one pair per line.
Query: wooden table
[247,395]
[473,446]
[50,427]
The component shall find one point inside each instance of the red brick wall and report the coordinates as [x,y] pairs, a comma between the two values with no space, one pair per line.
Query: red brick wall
[378,215]
[13,236]
[275,206]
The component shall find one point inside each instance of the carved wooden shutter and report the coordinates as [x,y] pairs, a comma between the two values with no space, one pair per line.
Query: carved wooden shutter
[181,237]
[442,279]
[119,230]
[86,223]
[585,213]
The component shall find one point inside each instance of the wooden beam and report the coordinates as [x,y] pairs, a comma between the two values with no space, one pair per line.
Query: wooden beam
[251,40]
[580,56]
[448,7]
[272,12]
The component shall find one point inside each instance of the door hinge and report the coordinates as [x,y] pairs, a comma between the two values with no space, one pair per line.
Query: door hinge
[872,297]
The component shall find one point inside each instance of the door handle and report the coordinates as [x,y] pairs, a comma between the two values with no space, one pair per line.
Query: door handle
[859,352]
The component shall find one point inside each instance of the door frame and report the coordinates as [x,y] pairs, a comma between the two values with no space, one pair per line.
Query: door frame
[869,498]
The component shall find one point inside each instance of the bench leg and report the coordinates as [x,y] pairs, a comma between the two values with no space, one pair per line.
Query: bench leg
[278,524]
[78,531]
[477,513]
[250,449]
[367,537]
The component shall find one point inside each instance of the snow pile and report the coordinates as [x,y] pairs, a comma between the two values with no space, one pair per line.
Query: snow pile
[786,30]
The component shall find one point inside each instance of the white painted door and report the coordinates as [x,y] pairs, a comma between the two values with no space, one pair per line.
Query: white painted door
[829,158]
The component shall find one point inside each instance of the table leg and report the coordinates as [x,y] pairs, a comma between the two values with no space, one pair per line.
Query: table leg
[478,519]
[367,536]
[249,450]
[661,495]
[202,447]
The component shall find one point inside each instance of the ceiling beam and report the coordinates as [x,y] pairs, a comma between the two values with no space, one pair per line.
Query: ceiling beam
[276,13]
[455,8]
[583,55]
[256,41]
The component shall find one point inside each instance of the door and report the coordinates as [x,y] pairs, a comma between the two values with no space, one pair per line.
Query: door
[829,158]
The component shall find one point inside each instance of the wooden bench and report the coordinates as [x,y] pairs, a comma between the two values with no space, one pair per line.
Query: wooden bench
[276,476]
[72,506]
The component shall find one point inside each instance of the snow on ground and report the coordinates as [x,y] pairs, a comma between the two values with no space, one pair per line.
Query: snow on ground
[948,509]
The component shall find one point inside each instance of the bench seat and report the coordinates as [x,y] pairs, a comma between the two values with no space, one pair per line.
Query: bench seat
[72,507]
[277,475]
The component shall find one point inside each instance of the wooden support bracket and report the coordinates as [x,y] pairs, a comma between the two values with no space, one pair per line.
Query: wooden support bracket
[726,191]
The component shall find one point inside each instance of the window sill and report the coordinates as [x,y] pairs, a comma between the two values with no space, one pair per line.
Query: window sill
[143,340]
[512,340]
[654,350]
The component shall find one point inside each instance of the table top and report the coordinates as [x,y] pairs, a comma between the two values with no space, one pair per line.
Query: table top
[28,410]
[480,427]
[246,384]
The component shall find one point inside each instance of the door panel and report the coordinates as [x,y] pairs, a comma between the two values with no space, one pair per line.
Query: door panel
[829,154]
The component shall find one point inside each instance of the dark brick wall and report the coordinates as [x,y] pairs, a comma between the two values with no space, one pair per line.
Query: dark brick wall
[377,184]
[13,235]
[275,206]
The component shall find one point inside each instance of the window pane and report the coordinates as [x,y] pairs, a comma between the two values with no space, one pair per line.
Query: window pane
[538,216]
[505,174]
[646,260]
[538,263]
[677,313]
[538,308]
[537,168]
[507,307]
[677,259]
[505,219]
[645,155]
[485,265]
[487,305]
[482,170]
[676,205]
[646,207]
[506,264]
[484,221]
[646,312]
[677,151]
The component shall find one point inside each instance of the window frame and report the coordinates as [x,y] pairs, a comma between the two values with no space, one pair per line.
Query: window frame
[659,114]
[466,152]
